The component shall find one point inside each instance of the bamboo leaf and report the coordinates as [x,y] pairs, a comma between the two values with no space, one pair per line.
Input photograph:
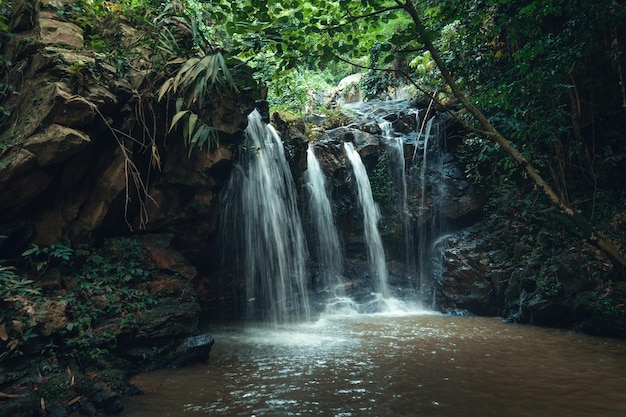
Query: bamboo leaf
[182,71]
[193,118]
[201,66]
[177,118]
[198,92]
[165,88]
[191,144]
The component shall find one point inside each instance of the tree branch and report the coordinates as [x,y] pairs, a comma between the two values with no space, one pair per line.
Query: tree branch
[352,18]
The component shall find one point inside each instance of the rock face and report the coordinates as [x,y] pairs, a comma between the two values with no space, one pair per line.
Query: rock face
[479,279]
[83,154]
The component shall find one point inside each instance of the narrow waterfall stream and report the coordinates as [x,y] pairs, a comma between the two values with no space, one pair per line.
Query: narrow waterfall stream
[329,253]
[371,216]
[433,184]
[396,144]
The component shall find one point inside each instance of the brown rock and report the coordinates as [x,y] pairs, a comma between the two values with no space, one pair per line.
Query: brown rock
[171,260]
[56,32]
[20,181]
[56,144]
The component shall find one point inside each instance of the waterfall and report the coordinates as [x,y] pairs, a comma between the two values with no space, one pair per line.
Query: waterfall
[263,229]
[396,145]
[371,215]
[328,251]
[432,183]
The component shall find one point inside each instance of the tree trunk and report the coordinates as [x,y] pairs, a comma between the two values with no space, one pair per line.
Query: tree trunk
[588,230]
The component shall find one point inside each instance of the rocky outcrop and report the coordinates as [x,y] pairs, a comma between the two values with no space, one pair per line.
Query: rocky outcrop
[84,154]
[477,278]
[472,277]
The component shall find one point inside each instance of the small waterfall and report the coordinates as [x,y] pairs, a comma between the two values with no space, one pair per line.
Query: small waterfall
[371,216]
[262,228]
[328,250]
[396,144]
[432,183]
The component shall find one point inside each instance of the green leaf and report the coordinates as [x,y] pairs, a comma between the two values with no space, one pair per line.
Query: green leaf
[177,118]
[193,118]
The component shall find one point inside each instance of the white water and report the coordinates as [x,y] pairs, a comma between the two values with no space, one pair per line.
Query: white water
[371,216]
[328,250]
[266,230]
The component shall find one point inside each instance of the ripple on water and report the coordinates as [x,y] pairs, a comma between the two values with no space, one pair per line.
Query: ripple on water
[379,365]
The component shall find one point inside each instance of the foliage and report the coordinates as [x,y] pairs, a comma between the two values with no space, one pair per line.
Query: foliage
[198,81]
[6,88]
[608,306]
[519,60]
[110,275]
[377,84]
[97,284]
[15,301]
[41,258]
[298,90]
[525,73]
[382,187]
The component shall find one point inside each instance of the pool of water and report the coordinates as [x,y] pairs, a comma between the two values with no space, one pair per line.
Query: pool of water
[419,364]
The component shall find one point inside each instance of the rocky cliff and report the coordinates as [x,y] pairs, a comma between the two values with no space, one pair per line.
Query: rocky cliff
[84,154]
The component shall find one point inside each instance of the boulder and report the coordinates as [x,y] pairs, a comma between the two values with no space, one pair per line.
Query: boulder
[53,31]
[56,144]
[469,279]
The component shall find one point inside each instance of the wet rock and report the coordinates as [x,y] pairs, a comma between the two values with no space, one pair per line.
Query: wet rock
[194,349]
[167,319]
[108,401]
[463,204]
[469,280]
[25,406]
[171,260]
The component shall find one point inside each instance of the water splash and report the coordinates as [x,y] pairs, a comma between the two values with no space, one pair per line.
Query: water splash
[264,230]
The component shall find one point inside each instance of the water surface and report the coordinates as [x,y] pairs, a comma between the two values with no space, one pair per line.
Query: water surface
[422,365]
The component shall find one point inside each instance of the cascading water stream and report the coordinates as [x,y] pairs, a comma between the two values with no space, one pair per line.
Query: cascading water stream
[328,251]
[396,144]
[432,183]
[371,216]
[263,226]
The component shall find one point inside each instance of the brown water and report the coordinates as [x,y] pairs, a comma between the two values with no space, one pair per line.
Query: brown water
[422,365]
